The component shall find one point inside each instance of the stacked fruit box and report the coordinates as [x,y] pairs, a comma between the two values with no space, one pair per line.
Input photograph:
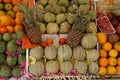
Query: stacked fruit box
[12,55]
[108,38]
[68,41]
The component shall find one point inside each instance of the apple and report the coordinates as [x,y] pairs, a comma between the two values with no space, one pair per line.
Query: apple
[1,6]
[118,29]
[11,14]
[8,7]
[114,22]
[110,16]
[113,38]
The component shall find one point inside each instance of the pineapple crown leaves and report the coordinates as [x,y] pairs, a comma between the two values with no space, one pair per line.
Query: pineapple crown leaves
[29,13]
[81,22]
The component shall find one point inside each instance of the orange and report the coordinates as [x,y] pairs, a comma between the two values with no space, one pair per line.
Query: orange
[118,61]
[10,29]
[19,14]
[49,41]
[113,53]
[44,44]
[2,13]
[103,53]
[117,46]
[103,62]
[16,2]
[118,69]
[19,18]
[5,20]
[111,70]
[107,46]
[101,37]
[7,1]
[15,9]
[18,27]
[112,61]
[102,71]
[1,0]
[3,30]
[27,1]
[12,22]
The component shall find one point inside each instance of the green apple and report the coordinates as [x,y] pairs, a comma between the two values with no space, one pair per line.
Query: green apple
[1,6]
[8,7]
[11,14]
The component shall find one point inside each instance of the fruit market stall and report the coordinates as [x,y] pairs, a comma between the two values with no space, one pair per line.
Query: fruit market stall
[68,40]
[59,39]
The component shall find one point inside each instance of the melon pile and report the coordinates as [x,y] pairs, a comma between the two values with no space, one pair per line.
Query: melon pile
[58,15]
[57,18]
[62,60]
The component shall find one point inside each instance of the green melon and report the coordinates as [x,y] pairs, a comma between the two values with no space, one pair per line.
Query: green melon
[16,71]
[19,34]
[7,37]
[22,51]
[2,46]
[2,58]
[5,71]
[12,46]
[11,60]
[21,59]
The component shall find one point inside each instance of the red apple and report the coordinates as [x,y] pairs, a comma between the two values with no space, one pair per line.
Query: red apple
[113,38]
[115,22]
[110,16]
[118,30]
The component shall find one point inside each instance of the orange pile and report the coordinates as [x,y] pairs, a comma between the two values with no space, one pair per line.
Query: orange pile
[10,17]
[109,62]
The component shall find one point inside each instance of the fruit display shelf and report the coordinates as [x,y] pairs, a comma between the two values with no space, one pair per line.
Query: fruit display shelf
[72,44]
[108,32]
[54,39]
[47,64]
[57,51]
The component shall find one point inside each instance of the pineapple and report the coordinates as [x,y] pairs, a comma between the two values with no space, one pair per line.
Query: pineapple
[75,34]
[30,22]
